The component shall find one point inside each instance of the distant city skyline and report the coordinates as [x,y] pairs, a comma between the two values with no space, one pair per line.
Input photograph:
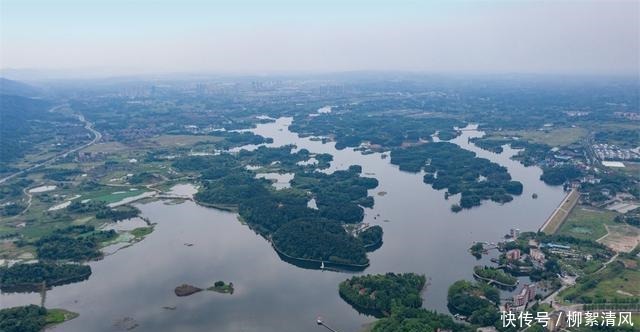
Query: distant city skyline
[255,37]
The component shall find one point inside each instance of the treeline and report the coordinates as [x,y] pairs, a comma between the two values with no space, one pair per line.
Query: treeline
[103,211]
[378,293]
[450,167]
[119,213]
[29,277]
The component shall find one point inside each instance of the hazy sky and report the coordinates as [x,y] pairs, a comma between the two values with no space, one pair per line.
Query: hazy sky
[601,37]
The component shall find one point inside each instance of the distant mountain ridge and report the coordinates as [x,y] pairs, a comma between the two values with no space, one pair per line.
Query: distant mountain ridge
[16,88]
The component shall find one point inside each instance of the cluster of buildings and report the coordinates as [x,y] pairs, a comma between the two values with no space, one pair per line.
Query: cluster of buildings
[628,115]
[566,251]
[613,152]
[86,156]
[526,295]
[536,256]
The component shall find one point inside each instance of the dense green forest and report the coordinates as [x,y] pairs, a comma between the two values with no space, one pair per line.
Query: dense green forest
[351,129]
[450,167]
[297,230]
[76,243]
[30,318]
[319,240]
[493,144]
[19,130]
[380,292]
[558,175]
[340,194]
[30,276]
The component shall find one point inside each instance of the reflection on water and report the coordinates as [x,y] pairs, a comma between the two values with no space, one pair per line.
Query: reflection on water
[424,236]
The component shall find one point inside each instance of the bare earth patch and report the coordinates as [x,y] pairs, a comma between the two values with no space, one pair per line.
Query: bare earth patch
[621,238]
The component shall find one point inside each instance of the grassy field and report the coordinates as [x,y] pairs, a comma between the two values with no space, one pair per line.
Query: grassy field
[115,194]
[57,316]
[142,231]
[614,284]
[620,286]
[587,223]
[551,136]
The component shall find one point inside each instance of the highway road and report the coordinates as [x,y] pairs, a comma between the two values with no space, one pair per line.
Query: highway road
[87,125]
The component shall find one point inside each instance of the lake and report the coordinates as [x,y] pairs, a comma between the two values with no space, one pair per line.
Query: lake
[421,235]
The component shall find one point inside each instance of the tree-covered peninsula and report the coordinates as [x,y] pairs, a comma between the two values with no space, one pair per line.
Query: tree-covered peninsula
[318,240]
[282,215]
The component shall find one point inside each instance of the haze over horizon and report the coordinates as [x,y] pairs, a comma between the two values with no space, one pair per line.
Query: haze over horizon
[143,37]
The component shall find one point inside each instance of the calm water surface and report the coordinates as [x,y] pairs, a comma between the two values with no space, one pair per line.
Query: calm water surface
[420,235]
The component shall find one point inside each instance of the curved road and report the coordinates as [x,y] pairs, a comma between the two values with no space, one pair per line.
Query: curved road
[87,125]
